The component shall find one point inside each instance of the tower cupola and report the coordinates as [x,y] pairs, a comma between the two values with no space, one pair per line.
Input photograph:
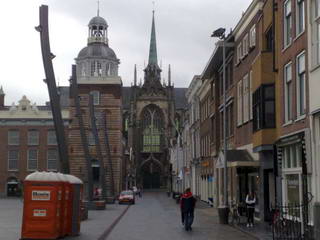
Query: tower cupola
[98,30]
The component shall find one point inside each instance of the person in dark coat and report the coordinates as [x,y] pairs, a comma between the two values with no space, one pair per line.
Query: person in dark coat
[187,205]
[251,202]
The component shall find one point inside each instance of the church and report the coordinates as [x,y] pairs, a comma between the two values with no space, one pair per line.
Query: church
[142,123]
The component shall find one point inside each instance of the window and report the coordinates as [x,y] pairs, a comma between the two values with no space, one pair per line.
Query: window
[83,69]
[13,137]
[315,31]
[33,137]
[288,92]
[229,120]
[252,39]
[264,107]
[152,125]
[246,98]
[52,159]
[292,173]
[13,159]
[221,83]
[300,17]
[250,95]
[269,40]
[301,83]
[245,46]
[240,102]
[257,110]
[32,159]
[96,97]
[91,140]
[96,69]
[239,52]
[52,139]
[287,23]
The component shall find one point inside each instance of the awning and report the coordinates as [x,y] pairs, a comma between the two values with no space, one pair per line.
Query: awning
[237,158]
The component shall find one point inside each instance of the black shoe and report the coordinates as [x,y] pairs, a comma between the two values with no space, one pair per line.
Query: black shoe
[190,228]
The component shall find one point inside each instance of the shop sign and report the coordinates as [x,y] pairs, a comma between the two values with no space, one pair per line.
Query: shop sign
[40,195]
[205,164]
[39,212]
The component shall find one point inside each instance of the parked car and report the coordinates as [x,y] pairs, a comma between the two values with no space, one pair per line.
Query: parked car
[127,197]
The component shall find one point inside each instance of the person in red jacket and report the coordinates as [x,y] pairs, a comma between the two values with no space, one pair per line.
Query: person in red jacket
[187,205]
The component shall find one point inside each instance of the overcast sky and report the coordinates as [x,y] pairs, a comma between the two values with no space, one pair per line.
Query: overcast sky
[183,29]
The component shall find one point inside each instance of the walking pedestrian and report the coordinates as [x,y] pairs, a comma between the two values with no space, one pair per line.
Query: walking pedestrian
[251,202]
[187,205]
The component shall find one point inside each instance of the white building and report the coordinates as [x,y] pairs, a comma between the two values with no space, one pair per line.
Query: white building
[314,86]
[194,132]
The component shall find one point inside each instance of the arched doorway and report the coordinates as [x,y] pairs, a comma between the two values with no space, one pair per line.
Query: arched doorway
[13,187]
[151,170]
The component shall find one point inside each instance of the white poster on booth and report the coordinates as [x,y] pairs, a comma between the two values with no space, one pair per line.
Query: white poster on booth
[40,195]
[39,212]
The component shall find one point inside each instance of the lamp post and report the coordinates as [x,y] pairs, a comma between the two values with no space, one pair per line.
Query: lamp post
[224,210]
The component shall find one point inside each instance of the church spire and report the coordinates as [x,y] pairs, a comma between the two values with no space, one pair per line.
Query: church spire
[153,59]
[135,75]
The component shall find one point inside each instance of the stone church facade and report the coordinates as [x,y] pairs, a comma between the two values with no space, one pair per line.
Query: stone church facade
[151,119]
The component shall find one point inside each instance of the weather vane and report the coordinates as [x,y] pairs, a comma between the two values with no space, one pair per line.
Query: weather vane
[98,8]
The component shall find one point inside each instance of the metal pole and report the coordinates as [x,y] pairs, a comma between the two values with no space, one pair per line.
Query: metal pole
[225,186]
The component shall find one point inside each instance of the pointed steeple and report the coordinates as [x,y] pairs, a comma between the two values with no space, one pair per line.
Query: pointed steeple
[153,59]
[169,75]
[1,91]
[135,75]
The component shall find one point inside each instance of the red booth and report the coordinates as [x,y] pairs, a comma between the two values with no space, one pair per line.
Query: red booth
[42,206]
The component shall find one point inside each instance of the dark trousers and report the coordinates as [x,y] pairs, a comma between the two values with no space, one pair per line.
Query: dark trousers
[250,215]
[182,217]
[188,219]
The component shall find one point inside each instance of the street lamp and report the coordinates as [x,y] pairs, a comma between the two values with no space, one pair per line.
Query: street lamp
[224,210]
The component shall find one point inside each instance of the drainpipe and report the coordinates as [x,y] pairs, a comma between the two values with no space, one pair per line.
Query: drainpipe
[274,9]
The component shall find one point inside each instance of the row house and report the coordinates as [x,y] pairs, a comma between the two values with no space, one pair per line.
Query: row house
[194,132]
[206,160]
[28,142]
[313,11]
[294,168]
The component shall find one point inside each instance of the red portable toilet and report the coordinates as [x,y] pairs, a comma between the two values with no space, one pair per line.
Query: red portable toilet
[74,204]
[42,206]
[64,204]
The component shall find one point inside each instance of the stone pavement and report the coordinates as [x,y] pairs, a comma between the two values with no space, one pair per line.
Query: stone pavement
[91,229]
[157,217]
[154,216]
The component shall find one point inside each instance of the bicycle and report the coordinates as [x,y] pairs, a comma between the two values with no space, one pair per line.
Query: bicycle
[235,216]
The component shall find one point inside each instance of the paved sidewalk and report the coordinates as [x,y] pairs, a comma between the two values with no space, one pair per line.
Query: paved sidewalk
[261,231]
[93,228]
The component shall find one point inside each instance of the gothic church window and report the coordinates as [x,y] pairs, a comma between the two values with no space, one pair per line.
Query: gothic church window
[152,129]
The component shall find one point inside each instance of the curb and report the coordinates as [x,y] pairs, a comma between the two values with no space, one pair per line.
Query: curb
[107,232]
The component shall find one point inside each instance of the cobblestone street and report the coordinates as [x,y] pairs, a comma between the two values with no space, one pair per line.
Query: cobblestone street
[154,216]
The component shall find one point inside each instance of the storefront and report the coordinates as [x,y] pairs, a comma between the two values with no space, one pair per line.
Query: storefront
[293,170]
